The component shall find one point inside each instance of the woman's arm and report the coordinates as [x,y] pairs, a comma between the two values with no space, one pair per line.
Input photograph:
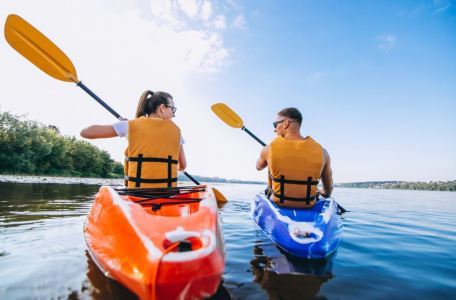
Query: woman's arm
[98,132]
[182,160]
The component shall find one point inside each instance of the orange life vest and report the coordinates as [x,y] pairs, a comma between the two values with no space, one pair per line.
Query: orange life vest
[295,167]
[152,154]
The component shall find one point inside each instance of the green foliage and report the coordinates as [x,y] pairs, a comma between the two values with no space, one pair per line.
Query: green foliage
[403,185]
[27,147]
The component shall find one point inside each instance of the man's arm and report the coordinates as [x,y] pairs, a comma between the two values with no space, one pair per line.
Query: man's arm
[326,176]
[262,161]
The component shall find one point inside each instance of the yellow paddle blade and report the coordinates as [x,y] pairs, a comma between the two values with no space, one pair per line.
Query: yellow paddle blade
[219,196]
[227,115]
[38,49]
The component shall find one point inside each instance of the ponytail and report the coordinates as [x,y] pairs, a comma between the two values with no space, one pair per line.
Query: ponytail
[150,101]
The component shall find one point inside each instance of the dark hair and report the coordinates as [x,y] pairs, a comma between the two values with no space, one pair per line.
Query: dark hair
[291,113]
[150,101]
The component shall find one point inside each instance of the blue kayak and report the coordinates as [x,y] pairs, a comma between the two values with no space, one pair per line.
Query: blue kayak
[303,232]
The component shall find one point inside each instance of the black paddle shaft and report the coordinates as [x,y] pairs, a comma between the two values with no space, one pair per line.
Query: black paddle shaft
[98,99]
[191,178]
[254,136]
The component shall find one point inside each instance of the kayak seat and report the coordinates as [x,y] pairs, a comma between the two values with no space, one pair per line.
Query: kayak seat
[167,202]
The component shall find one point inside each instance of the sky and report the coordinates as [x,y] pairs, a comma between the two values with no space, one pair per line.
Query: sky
[374,80]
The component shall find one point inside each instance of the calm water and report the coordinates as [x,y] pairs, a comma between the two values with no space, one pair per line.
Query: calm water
[396,244]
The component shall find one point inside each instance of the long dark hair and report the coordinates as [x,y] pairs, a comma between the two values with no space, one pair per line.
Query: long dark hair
[150,101]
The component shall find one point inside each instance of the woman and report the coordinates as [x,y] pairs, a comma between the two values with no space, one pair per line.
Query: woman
[155,146]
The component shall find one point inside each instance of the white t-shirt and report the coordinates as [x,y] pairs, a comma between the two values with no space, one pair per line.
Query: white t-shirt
[121,129]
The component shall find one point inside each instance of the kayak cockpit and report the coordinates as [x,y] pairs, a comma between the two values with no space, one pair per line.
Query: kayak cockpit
[166,202]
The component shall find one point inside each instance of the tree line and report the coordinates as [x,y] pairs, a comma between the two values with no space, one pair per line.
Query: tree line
[403,185]
[182,177]
[29,147]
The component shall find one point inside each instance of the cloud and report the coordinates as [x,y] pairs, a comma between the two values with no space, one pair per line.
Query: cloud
[206,54]
[386,42]
[190,7]
[164,12]
[415,11]
[219,22]
[206,10]
[317,76]
[234,4]
[193,27]
[441,6]
[434,7]
[239,22]
[177,13]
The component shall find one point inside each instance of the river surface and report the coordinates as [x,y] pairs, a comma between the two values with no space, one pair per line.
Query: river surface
[396,245]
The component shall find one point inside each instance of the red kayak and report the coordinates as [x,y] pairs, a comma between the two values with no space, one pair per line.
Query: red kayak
[159,243]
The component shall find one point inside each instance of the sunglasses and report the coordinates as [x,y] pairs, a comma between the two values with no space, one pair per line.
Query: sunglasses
[277,123]
[173,109]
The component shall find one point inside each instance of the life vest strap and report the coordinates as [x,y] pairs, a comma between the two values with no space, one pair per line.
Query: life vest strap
[309,183]
[140,159]
[150,159]
[289,181]
[145,180]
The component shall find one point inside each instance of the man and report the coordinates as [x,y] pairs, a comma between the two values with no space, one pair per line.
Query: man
[295,163]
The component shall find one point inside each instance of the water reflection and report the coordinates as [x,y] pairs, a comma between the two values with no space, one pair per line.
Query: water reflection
[101,287]
[22,204]
[287,277]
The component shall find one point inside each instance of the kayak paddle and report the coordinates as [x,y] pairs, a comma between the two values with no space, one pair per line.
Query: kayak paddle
[218,195]
[227,115]
[44,54]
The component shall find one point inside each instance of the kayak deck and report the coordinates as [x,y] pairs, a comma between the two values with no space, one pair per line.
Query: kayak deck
[303,232]
[159,243]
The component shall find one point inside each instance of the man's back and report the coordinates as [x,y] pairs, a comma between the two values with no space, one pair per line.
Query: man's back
[295,163]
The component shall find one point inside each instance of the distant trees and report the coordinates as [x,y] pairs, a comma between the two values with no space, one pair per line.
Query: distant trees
[28,147]
[403,185]
[428,186]
[183,177]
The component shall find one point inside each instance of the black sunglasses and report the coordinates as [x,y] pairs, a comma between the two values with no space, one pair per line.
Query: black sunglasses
[277,123]
[173,109]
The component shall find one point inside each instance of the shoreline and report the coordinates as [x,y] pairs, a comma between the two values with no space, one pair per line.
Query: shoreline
[31,179]
[41,179]
[37,179]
